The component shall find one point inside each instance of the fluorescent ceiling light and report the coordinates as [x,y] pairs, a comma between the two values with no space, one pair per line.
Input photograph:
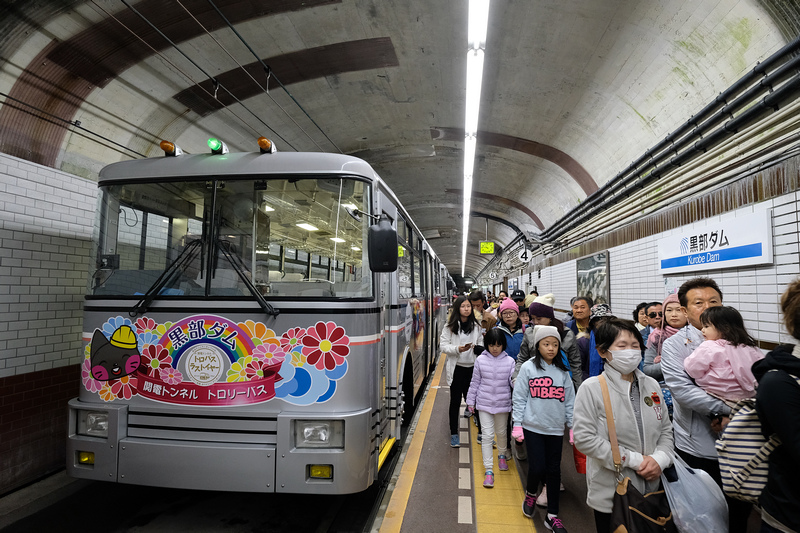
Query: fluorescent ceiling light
[268,208]
[356,248]
[337,239]
[308,227]
[262,251]
[474,80]
[477,23]
[350,206]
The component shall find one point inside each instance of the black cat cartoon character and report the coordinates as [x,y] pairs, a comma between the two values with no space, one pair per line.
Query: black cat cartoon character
[115,357]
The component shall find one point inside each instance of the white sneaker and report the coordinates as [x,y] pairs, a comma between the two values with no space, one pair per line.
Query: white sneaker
[562,488]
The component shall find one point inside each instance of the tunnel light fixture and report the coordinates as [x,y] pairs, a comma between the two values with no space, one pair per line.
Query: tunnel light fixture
[307,227]
[477,25]
[337,239]
[267,208]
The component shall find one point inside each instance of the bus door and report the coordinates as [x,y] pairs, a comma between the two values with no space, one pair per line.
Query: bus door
[387,374]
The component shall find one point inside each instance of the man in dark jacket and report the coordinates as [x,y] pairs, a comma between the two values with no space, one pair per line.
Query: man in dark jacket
[778,408]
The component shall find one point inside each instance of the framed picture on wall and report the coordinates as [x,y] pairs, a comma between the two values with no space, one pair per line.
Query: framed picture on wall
[593,277]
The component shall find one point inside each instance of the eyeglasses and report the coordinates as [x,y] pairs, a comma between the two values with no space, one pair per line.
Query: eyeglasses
[508,314]
[653,315]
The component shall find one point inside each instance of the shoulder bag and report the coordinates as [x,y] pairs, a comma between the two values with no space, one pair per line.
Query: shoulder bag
[633,512]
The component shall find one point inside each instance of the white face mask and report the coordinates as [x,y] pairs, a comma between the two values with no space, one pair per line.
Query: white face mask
[625,361]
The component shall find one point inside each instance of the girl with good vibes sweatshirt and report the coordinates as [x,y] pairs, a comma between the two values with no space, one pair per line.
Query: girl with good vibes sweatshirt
[543,401]
[490,393]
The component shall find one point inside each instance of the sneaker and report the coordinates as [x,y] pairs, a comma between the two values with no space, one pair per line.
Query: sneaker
[529,505]
[488,480]
[480,439]
[454,441]
[562,488]
[503,464]
[554,524]
[541,500]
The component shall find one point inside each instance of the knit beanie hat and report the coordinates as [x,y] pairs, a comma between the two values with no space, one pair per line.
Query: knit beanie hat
[541,332]
[507,304]
[543,306]
[529,300]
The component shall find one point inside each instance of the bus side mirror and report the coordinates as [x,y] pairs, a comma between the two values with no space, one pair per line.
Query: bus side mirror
[382,246]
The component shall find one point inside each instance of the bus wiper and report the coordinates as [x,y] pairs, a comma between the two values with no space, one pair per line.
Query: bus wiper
[185,258]
[239,267]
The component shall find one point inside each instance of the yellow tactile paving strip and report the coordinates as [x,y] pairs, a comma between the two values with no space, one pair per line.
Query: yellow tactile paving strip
[498,509]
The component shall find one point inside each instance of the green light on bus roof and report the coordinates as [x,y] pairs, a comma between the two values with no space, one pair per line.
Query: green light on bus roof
[214,144]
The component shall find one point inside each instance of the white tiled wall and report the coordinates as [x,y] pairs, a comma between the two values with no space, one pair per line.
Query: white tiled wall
[754,291]
[46,219]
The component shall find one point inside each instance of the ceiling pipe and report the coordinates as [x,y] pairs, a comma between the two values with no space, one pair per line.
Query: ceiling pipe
[715,112]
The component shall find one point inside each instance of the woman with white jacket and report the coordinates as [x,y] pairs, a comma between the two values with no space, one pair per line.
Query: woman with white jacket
[644,431]
[460,338]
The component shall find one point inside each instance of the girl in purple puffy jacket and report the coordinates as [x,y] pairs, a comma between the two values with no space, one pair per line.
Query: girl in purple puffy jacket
[490,393]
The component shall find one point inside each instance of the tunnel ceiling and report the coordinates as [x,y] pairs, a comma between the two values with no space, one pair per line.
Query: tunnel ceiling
[572,91]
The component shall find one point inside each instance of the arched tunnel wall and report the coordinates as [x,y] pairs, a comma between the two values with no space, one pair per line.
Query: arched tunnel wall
[46,219]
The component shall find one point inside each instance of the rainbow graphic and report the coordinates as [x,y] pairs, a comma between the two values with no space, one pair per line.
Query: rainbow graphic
[223,333]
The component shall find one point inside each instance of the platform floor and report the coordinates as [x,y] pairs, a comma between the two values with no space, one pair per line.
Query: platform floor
[440,489]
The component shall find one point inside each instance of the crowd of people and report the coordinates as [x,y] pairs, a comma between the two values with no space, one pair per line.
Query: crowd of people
[671,376]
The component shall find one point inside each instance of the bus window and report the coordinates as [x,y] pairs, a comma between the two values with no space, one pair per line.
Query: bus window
[277,237]
[404,273]
[418,289]
[402,229]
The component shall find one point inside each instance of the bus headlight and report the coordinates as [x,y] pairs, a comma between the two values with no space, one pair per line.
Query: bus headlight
[93,423]
[319,433]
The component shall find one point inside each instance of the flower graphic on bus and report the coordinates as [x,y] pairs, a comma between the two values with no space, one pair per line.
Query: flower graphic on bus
[259,333]
[91,384]
[124,388]
[325,345]
[170,375]
[238,370]
[292,338]
[272,354]
[154,359]
[210,360]
[145,324]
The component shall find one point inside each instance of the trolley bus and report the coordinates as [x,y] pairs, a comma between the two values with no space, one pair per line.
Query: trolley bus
[253,322]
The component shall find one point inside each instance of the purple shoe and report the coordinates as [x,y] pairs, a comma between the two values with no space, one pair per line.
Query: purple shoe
[502,463]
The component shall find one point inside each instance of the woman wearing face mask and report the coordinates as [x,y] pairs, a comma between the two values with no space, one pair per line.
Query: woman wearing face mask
[644,431]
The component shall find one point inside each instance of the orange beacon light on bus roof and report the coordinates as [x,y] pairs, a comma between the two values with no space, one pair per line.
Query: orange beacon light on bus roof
[267,146]
[170,149]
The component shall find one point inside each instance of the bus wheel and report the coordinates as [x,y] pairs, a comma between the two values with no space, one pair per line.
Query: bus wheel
[408,394]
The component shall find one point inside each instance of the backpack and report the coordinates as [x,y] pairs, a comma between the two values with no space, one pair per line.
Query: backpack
[744,452]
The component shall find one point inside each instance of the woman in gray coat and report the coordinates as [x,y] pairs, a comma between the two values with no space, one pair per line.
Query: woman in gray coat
[644,431]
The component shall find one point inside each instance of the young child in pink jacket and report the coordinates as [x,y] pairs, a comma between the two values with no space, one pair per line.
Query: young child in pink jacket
[722,364]
[490,393]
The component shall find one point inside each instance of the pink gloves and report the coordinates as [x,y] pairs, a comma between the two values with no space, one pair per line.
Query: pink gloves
[571,437]
[516,434]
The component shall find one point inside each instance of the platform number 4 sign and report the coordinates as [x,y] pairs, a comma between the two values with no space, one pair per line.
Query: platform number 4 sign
[525,255]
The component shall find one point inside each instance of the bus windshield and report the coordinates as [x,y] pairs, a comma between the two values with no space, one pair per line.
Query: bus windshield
[288,237]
